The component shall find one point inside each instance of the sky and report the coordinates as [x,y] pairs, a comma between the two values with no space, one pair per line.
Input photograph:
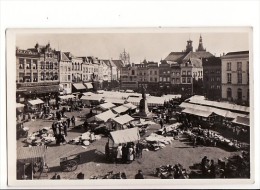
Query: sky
[140,46]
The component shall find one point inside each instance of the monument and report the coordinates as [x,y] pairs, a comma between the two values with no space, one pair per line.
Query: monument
[143,106]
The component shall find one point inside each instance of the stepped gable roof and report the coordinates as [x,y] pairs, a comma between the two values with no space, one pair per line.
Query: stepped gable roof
[176,56]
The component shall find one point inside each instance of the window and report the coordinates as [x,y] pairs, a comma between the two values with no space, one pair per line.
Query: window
[178,74]
[164,79]
[51,65]
[168,79]
[173,81]
[151,72]
[229,78]
[212,79]
[47,65]
[164,72]
[229,93]
[155,79]
[239,66]
[177,81]
[228,66]
[21,77]
[47,76]
[218,87]
[189,73]
[218,79]
[168,72]
[183,72]
[206,71]
[239,94]
[151,79]
[160,78]
[28,64]
[21,63]
[56,66]
[189,80]
[212,86]
[183,80]
[133,72]
[239,78]
[155,72]
[173,73]
[42,76]
[218,71]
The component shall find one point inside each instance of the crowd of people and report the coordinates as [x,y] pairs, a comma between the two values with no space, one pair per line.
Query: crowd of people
[171,172]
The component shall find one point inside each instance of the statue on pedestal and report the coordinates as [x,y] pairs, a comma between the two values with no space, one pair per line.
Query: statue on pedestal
[143,107]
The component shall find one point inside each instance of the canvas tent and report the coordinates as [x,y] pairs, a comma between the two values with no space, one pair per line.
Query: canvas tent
[197,112]
[31,154]
[130,106]
[107,105]
[120,109]
[125,136]
[35,102]
[123,119]
[66,97]
[105,116]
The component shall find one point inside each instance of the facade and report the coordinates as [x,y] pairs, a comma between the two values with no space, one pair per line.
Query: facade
[153,77]
[65,73]
[129,77]
[165,77]
[235,77]
[212,78]
[175,78]
[119,64]
[37,72]
[142,75]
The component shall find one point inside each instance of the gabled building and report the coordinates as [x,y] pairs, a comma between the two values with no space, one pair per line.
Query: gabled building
[65,73]
[235,77]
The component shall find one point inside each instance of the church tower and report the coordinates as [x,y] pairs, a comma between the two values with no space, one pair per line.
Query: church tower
[200,47]
[125,57]
[189,46]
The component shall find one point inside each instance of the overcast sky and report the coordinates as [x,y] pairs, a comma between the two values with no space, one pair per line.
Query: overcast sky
[140,46]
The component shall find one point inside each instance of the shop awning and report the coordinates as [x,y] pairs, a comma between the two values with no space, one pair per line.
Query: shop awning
[39,89]
[31,154]
[35,102]
[19,105]
[130,106]
[115,100]
[134,100]
[155,101]
[125,136]
[242,121]
[105,116]
[123,119]
[88,85]
[107,105]
[197,112]
[79,86]
[120,109]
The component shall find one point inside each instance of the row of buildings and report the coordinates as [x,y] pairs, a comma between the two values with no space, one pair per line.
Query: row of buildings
[43,70]
[194,72]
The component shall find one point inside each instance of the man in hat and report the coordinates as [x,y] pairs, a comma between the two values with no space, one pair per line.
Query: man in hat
[139,175]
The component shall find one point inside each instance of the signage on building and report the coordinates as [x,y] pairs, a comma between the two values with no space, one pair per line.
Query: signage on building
[36,84]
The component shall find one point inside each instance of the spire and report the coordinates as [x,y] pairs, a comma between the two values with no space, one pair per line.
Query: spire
[200,47]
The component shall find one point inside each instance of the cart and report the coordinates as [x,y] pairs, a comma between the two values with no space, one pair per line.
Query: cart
[70,163]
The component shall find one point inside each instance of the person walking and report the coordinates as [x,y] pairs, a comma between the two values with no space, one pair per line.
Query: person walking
[73,121]
[68,122]
[124,153]
[65,128]
[130,156]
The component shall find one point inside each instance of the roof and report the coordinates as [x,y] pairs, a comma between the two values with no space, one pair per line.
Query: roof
[64,57]
[198,55]
[115,100]
[123,119]
[211,61]
[94,97]
[134,100]
[197,112]
[130,106]
[172,96]
[107,105]
[175,56]
[31,154]
[88,85]
[237,53]
[242,121]
[35,102]
[79,86]
[120,109]
[88,93]
[118,63]
[105,116]
[125,136]
[195,62]
[40,89]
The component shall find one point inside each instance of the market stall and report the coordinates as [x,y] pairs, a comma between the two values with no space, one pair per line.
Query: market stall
[30,162]
[121,109]
[107,106]
[35,104]
[122,122]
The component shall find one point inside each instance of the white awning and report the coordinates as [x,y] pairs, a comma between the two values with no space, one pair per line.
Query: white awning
[197,112]
[35,102]
[105,116]
[130,106]
[79,86]
[125,136]
[120,109]
[88,93]
[19,105]
[115,100]
[134,100]
[88,85]
[107,105]
[66,97]
[91,98]
[123,119]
